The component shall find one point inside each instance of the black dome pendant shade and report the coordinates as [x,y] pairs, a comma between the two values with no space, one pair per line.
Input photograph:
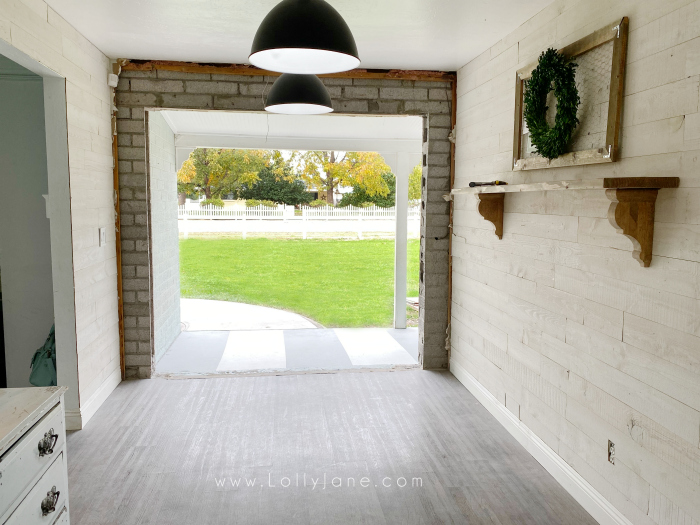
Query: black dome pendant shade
[298,95]
[304,37]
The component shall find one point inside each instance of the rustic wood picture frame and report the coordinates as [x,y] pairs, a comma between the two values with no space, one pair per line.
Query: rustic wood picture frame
[616,32]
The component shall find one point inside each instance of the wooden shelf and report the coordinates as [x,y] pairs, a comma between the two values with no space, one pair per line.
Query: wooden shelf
[631,212]
[591,184]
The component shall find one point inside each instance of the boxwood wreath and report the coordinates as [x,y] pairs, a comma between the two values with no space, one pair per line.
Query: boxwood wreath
[554,71]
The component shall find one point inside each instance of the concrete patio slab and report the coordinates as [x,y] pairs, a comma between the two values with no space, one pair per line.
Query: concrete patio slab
[289,351]
[204,314]
[315,349]
[194,353]
[373,346]
[256,350]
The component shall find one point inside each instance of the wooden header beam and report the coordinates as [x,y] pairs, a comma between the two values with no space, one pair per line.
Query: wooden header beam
[245,69]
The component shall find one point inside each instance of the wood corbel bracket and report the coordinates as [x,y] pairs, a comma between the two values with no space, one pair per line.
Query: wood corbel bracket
[491,207]
[631,213]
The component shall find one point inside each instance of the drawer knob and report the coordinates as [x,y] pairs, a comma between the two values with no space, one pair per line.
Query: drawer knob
[48,505]
[47,443]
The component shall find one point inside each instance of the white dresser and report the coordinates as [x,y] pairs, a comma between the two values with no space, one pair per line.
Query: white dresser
[33,474]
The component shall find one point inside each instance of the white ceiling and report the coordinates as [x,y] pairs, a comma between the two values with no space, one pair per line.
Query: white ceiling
[390,34]
[303,126]
[238,129]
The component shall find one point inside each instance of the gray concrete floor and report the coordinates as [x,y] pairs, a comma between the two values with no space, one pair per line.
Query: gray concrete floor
[245,450]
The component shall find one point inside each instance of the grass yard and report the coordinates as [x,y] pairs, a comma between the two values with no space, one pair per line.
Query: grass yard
[334,282]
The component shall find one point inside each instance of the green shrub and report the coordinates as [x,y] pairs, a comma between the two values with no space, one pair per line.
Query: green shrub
[317,203]
[344,203]
[273,186]
[252,203]
[213,202]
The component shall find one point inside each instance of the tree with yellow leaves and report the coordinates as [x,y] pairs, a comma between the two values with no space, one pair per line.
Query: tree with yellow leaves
[414,180]
[326,171]
[218,172]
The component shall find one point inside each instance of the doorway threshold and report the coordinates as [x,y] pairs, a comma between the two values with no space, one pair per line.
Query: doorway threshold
[296,351]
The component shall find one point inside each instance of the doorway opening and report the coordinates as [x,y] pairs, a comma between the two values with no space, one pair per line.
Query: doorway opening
[293,240]
[36,260]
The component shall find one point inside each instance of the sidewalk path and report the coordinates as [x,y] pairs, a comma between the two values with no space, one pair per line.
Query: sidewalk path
[203,314]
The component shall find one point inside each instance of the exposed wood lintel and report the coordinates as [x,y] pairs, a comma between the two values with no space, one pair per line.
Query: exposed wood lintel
[245,69]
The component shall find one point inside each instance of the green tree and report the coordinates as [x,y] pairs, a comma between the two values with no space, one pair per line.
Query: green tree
[414,181]
[218,172]
[278,187]
[328,170]
[360,196]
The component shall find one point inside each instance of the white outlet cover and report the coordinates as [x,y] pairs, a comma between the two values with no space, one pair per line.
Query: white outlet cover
[103,236]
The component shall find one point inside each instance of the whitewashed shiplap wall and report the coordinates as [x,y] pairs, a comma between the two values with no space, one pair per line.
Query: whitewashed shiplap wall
[557,320]
[38,31]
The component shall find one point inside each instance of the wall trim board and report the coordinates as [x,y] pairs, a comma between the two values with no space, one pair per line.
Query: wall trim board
[588,497]
[90,407]
[73,420]
[60,213]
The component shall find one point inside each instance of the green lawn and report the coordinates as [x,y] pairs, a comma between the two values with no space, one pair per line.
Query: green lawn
[336,283]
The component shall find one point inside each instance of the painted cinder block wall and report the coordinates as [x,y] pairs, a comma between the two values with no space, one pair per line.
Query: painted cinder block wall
[557,320]
[163,226]
[36,30]
[140,90]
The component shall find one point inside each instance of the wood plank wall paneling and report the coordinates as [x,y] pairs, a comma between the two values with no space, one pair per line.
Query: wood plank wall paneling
[557,320]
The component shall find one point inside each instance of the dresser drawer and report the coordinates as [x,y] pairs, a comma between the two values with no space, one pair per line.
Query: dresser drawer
[29,512]
[63,518]
[22,465]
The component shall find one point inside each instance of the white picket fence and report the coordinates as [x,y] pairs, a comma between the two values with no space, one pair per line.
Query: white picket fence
[194,218]
[195,211]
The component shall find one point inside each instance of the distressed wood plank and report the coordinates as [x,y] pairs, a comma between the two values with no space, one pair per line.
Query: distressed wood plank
[587,184]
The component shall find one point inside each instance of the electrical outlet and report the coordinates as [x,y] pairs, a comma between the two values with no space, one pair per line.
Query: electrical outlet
[103,236]
[611,452]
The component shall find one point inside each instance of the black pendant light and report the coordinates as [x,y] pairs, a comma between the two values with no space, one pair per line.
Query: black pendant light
[298,95]
[304,37]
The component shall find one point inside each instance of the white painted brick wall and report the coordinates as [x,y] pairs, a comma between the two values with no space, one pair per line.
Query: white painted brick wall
[165,252]
[36,30]
[557,320]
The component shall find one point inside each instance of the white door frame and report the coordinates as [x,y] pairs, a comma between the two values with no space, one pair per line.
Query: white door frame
[399,154]
[58,211]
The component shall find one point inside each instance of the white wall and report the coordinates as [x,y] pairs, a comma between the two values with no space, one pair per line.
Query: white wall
[25,243]
[557,320]
[35,32]
[164,250]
